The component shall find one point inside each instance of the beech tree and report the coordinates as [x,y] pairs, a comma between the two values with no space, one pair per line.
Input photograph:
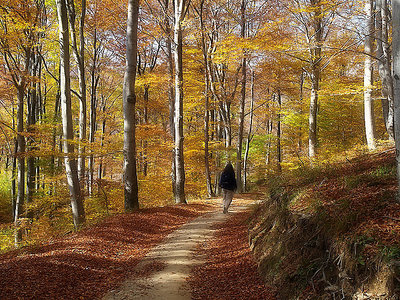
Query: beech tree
[205,48]
[71,168]
[384,58]
[79,54]
[249,134]
[316,36]
[368,71]
[396,73]
[129,101]
[180,10]
[242,100]
[314,18]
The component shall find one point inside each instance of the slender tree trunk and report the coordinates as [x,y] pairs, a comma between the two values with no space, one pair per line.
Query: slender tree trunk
[32,117]
[54,139]
[146,121]
[269,143]
[210,191]
[242,104]
[82,91]
[71,169]
[103,134]
[249,136]
[225,112]
[384,65]
[170,92]
[388,73]
[312,119]
[30,163]
[20,156]
[278,133]
[300,129]
[41,97]
[396,71]
[93,115]
[79,54]
[130,174]
[368,71]
[315,52]
[218,137]
[13,181]
[180,6]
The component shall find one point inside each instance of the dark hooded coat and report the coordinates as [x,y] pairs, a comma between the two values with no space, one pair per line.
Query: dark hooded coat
[228,180]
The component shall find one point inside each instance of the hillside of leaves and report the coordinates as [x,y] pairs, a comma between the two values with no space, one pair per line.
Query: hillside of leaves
[332,230]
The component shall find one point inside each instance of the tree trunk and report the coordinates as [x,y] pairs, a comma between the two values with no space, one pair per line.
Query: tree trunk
[384,60]
[210,191]
[396,71]
[315,54]
[20,155]
[103,134]
[249,136]
[54,139]
[170,92]
[129,100]
[241,105]
[93,115]
[71,169]
[14,170]
[79,53]
[368,71]
[180,6]
[30,163]
[278,133]
[225,113]
[146,121]
[300,129]
[269,143]
[312,119]
[82,91]
[32,117]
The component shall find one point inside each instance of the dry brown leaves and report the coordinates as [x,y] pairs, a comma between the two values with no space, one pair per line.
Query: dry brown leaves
[88,264]
[230,271]
[369,208]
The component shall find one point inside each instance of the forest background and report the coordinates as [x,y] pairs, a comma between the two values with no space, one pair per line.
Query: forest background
[273,86]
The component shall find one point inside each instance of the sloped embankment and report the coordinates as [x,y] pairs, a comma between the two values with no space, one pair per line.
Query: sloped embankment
[333,232]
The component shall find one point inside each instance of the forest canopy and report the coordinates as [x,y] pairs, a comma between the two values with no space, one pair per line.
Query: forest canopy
[269,85]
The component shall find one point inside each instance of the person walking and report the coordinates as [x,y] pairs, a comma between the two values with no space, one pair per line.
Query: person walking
[228,184]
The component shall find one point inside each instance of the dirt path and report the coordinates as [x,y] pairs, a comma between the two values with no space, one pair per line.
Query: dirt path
[171,262]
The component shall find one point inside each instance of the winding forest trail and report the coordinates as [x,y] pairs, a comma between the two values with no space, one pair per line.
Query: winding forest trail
[172,261]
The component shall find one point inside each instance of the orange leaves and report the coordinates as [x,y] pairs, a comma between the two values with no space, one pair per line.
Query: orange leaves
[20,24]
[93,261]
[357,198]
[230,271]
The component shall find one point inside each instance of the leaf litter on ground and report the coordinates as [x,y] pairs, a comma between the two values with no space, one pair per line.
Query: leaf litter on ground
[91,262]
[229,270]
